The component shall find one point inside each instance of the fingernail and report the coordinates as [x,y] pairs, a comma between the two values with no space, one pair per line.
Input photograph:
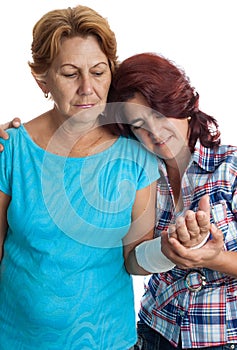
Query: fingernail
[189,215]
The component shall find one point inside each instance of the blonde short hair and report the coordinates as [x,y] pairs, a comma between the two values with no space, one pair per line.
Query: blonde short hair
[56,25]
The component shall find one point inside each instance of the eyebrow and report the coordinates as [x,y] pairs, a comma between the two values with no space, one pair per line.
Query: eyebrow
[76,67]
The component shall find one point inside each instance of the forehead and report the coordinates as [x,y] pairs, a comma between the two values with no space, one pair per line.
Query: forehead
[134,110]
[80,51]
[137,106]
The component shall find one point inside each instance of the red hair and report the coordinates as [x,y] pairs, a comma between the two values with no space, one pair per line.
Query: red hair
[167,90]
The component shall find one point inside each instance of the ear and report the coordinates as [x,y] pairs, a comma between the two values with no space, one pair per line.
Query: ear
[42,84]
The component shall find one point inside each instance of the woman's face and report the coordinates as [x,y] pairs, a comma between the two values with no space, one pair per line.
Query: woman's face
[166,137]
[79,77]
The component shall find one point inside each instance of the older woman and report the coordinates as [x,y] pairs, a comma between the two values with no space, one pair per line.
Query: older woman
[69,191]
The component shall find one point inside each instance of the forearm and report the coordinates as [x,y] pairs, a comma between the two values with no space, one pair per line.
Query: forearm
[224,262]
[132,266]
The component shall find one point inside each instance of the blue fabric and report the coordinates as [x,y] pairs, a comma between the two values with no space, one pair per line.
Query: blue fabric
[63,284]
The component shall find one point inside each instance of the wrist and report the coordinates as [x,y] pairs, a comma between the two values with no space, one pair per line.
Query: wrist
[150,257]
[202,243]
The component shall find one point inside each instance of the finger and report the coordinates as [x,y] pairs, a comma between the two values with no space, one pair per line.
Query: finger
[181,230]
[192,224]
[204,204]
[16,122]
[217,235]
[164,237]
[165,241]
[172,231]
[203,220]
[178,248]
[184,257]
[3,133]
[171,247]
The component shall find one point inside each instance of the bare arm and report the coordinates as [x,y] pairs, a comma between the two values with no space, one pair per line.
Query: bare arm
[4,202]
[142,227]
[15,123]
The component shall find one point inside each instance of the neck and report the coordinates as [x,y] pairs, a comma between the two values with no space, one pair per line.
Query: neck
[180,162]
[175,169]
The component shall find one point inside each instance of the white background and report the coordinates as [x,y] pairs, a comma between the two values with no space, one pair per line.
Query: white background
[200,36]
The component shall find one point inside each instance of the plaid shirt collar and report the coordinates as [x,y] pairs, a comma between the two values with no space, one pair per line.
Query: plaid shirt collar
[202,156]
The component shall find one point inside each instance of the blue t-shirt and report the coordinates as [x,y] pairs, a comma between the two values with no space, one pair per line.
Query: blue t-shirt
[63,284]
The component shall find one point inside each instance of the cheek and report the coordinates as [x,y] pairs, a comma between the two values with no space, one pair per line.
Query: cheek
[104,91]
[143,137]
[182,131]
[137,133]
[183,137]
[62,94]
[101,87]
[61,88]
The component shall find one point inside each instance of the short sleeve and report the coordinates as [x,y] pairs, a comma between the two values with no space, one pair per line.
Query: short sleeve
[149,171]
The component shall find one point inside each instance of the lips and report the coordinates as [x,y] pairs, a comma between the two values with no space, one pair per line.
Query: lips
[84,106]
[162,142]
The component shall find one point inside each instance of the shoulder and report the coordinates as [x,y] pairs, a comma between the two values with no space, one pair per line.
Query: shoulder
[228,149]
[210,159]
[136,146]
[226,153]
[13,134]
[225,162]
[133,151]
[137,152]
[16,143]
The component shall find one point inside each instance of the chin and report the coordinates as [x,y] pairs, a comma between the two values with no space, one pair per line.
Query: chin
[165,155]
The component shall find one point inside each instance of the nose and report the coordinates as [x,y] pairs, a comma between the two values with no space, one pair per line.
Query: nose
[85,87]
[153,128]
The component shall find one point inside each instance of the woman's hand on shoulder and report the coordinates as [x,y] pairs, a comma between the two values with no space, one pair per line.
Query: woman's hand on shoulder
[15,123]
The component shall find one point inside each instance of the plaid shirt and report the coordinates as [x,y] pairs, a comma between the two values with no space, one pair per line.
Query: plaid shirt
[207,316]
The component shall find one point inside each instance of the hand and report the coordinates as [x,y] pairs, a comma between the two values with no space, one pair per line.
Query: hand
[186,258]
[15,123]
[194,228]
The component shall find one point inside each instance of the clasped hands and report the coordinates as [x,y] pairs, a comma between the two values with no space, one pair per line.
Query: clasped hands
[187,243]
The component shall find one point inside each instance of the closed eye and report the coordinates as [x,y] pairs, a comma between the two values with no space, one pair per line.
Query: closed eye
[70,75]
[136,127]
[137,123]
